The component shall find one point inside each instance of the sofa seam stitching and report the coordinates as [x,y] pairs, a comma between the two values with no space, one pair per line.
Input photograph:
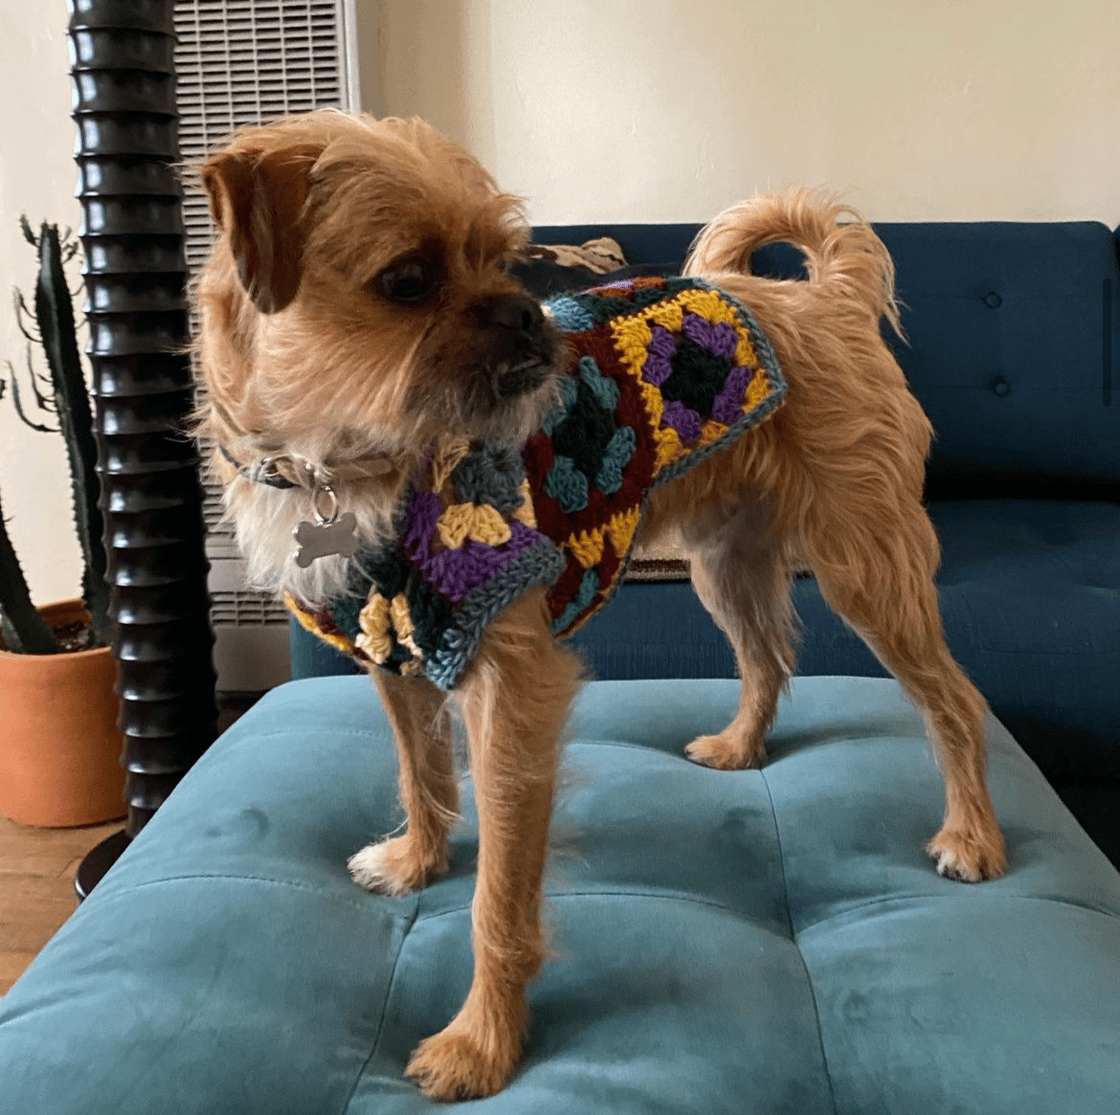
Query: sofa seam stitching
[559,896]
[199,876]
[376,1043]
[794,937]
[363,906]
[893,900]
[278,733]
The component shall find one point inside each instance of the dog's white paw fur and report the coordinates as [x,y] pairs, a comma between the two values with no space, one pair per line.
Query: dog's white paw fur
[722,752]
[967,857]
[392,867]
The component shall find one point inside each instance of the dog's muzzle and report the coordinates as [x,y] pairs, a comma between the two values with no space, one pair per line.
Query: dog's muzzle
[522,344]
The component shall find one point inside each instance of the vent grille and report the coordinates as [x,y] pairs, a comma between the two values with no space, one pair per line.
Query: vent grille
[242,62]
[242,609]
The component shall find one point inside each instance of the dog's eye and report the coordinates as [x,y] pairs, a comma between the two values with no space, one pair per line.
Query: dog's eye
[409,280]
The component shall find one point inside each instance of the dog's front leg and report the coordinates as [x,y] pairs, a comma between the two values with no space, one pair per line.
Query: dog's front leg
[515,700]
[429,792]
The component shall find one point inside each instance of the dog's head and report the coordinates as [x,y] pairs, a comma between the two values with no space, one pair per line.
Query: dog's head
[361,284]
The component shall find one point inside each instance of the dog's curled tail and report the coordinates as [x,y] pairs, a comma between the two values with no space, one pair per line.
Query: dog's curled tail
[841,249]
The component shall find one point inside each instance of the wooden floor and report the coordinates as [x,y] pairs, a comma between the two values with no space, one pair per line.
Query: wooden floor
[37,887]
[37,871]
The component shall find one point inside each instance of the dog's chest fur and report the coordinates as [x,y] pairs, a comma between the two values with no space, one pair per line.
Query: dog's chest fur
[663,373]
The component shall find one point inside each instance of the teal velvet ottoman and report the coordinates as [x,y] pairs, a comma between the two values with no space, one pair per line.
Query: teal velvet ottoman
[766,941]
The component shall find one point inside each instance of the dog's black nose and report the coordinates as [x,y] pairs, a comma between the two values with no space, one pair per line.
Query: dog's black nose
[515,312]
[518,343]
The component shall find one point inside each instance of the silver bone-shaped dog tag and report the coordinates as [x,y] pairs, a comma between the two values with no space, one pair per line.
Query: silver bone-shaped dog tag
[331,534]
[327,539]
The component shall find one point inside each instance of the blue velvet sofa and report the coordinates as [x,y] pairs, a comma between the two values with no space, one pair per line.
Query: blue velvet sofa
[771,941]
[1012,348]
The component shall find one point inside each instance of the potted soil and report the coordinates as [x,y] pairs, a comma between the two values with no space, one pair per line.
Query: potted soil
[59,742]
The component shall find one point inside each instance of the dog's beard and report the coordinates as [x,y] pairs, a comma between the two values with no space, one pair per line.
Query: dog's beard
[509,401]
[512,381]
[492,399]
[480,414]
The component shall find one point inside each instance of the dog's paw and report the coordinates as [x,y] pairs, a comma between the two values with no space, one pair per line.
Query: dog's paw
[724,752]
[968,857]
[393,867]
[458,1064]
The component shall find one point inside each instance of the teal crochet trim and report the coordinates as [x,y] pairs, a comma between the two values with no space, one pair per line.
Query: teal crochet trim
[459,643]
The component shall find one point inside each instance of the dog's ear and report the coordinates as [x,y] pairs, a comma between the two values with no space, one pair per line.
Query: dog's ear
[257,199]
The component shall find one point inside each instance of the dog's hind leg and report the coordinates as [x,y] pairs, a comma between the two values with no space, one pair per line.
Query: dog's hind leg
[428,789]
[515,700]
[876,570]
[742,577]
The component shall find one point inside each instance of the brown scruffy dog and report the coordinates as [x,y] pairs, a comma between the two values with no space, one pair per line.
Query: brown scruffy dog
[358,316]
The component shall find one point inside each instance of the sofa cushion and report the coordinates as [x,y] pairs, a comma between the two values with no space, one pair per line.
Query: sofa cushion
[1011,347]
[766,941]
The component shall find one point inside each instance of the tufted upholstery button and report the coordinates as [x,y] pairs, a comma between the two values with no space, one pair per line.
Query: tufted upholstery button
[1001,387]
[993,300]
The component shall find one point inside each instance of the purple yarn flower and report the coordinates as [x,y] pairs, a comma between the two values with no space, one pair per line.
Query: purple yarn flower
[454,573]
[659,361]
[682,419]
[424,510]
[728,407]
[719,338]
[725,341]
[697,330]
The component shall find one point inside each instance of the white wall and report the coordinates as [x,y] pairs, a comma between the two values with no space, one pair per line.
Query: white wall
[37,177]
[650,110]
[670,109]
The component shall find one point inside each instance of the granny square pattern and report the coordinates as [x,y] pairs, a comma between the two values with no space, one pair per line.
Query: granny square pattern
[664,372]
[661,374]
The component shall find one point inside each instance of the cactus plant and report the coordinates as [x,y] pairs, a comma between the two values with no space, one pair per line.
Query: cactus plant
[60,394]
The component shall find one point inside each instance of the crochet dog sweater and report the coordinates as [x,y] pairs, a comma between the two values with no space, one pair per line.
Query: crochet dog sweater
[663,372]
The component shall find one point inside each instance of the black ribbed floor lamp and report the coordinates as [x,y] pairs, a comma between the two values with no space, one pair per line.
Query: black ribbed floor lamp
[123,77]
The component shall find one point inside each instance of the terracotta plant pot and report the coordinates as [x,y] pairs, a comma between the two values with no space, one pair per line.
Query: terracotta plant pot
[60,747]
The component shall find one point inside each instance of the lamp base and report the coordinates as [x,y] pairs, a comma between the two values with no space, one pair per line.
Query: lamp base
[97,861]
